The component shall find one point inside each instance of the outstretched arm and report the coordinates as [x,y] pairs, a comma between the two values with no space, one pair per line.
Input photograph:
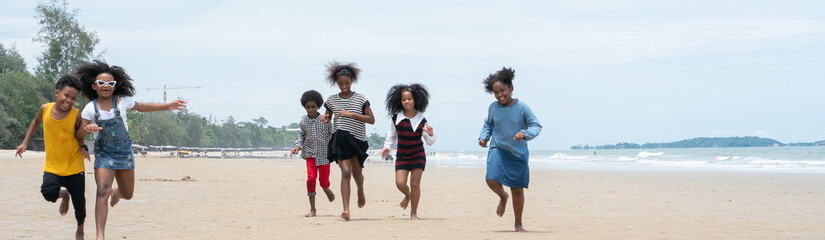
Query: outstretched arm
[486,130]
[152,107]
[80,134]
[38,118]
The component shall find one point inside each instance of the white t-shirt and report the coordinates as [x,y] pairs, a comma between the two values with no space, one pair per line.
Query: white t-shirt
[123,103]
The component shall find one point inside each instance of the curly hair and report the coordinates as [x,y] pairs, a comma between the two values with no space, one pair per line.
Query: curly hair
[68,81]
[505,75]
[87,73]
[420,95]
[338,69]
[312,96]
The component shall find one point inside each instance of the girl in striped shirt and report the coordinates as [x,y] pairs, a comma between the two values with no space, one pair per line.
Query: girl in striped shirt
[348,146]
[405,103]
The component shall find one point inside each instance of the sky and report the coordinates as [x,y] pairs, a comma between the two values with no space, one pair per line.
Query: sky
[593,72]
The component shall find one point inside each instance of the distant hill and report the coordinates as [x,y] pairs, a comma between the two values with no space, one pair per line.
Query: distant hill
[704,142]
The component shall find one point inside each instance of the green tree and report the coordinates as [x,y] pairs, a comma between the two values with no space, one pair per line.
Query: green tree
[66,41]
[10,60]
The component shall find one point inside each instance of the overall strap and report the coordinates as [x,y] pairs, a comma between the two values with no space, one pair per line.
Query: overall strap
[117,110]
[97,114]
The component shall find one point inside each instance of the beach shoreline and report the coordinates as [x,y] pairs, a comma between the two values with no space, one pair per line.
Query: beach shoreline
[265,198]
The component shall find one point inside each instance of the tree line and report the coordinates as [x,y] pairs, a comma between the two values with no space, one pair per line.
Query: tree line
[703,142]
[66,43]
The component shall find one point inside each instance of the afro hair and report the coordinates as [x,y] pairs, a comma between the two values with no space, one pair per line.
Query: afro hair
[337,69]
[505,75]
[87,73]
[312,96]
[68,81]
[419,92]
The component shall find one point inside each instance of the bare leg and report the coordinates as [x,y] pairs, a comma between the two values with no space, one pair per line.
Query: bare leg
[79,234]
[498,189]
[401,184]
[346,175]
[358,175]
[311,207]
[518,207]
[103,178]
[415,191]
[125,185]
[330,194]
[64,203]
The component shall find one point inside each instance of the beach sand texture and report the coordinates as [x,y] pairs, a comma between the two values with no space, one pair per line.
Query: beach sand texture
[199,198]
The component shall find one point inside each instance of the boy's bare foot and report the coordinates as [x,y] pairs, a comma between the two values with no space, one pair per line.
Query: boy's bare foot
[414,217]
[362,199]
[345,215]
[520,228]
[310,214]
[115,197]
[64,204]
[502,205]
[404,202]
[330,194]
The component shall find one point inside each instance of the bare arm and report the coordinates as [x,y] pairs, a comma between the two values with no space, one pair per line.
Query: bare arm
[152,107]
[80,134]
[38,119]
[367,117]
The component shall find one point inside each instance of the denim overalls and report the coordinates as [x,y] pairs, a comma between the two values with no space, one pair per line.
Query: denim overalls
[113,146]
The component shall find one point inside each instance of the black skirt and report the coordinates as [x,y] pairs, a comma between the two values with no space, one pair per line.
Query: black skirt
[344,145]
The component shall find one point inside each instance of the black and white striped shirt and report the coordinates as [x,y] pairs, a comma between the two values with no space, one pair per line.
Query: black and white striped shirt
[356,104]
[314,138]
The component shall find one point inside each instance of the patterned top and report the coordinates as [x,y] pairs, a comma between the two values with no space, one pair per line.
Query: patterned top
[314,138]
[356,104]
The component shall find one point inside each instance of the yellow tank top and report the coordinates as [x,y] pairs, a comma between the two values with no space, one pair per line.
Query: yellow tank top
[63,157]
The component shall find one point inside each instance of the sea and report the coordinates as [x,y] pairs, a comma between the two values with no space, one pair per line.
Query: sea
[752,159]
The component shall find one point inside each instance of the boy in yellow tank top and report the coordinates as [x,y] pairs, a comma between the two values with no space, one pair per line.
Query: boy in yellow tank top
[64,152]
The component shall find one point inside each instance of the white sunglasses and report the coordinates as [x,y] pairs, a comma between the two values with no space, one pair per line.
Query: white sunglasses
[101,83]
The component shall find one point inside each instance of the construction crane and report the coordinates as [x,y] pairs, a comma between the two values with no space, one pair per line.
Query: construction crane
[173,87]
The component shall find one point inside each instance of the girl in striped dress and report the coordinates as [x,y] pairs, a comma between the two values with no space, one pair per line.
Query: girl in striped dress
[348,145]
[405,103]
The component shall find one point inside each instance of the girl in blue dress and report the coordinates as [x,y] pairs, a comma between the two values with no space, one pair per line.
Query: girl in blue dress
[510,124]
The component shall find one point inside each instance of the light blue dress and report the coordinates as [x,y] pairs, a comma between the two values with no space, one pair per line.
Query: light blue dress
[507,159]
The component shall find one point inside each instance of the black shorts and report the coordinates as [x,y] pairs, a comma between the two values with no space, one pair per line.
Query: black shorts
[74,184]
[344,145]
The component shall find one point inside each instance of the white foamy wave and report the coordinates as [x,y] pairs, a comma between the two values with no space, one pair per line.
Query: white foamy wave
[645,154]
[563,156]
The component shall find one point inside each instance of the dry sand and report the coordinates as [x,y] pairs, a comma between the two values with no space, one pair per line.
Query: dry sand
[266,199]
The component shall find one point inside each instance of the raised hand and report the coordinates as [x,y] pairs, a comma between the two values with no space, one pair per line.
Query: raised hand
[428,129]
[325,118]
[177,105]
[345,113]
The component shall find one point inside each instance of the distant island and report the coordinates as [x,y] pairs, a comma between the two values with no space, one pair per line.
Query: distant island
[703,142]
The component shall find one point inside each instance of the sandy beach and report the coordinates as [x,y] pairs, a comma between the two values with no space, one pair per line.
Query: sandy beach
[198,198]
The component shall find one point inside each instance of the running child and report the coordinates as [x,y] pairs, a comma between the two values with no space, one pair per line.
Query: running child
[511,124]
[312,143]
[63,170]
[348,146]
[110,90]
[405,103]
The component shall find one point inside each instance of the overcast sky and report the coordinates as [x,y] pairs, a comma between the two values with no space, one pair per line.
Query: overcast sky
[594,72]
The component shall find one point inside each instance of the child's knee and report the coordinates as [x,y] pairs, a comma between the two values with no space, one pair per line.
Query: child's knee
[104,190]
[126,195]
[50,193]
[415,185]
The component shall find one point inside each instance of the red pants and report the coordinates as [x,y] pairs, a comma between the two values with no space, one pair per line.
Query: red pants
[313,172]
